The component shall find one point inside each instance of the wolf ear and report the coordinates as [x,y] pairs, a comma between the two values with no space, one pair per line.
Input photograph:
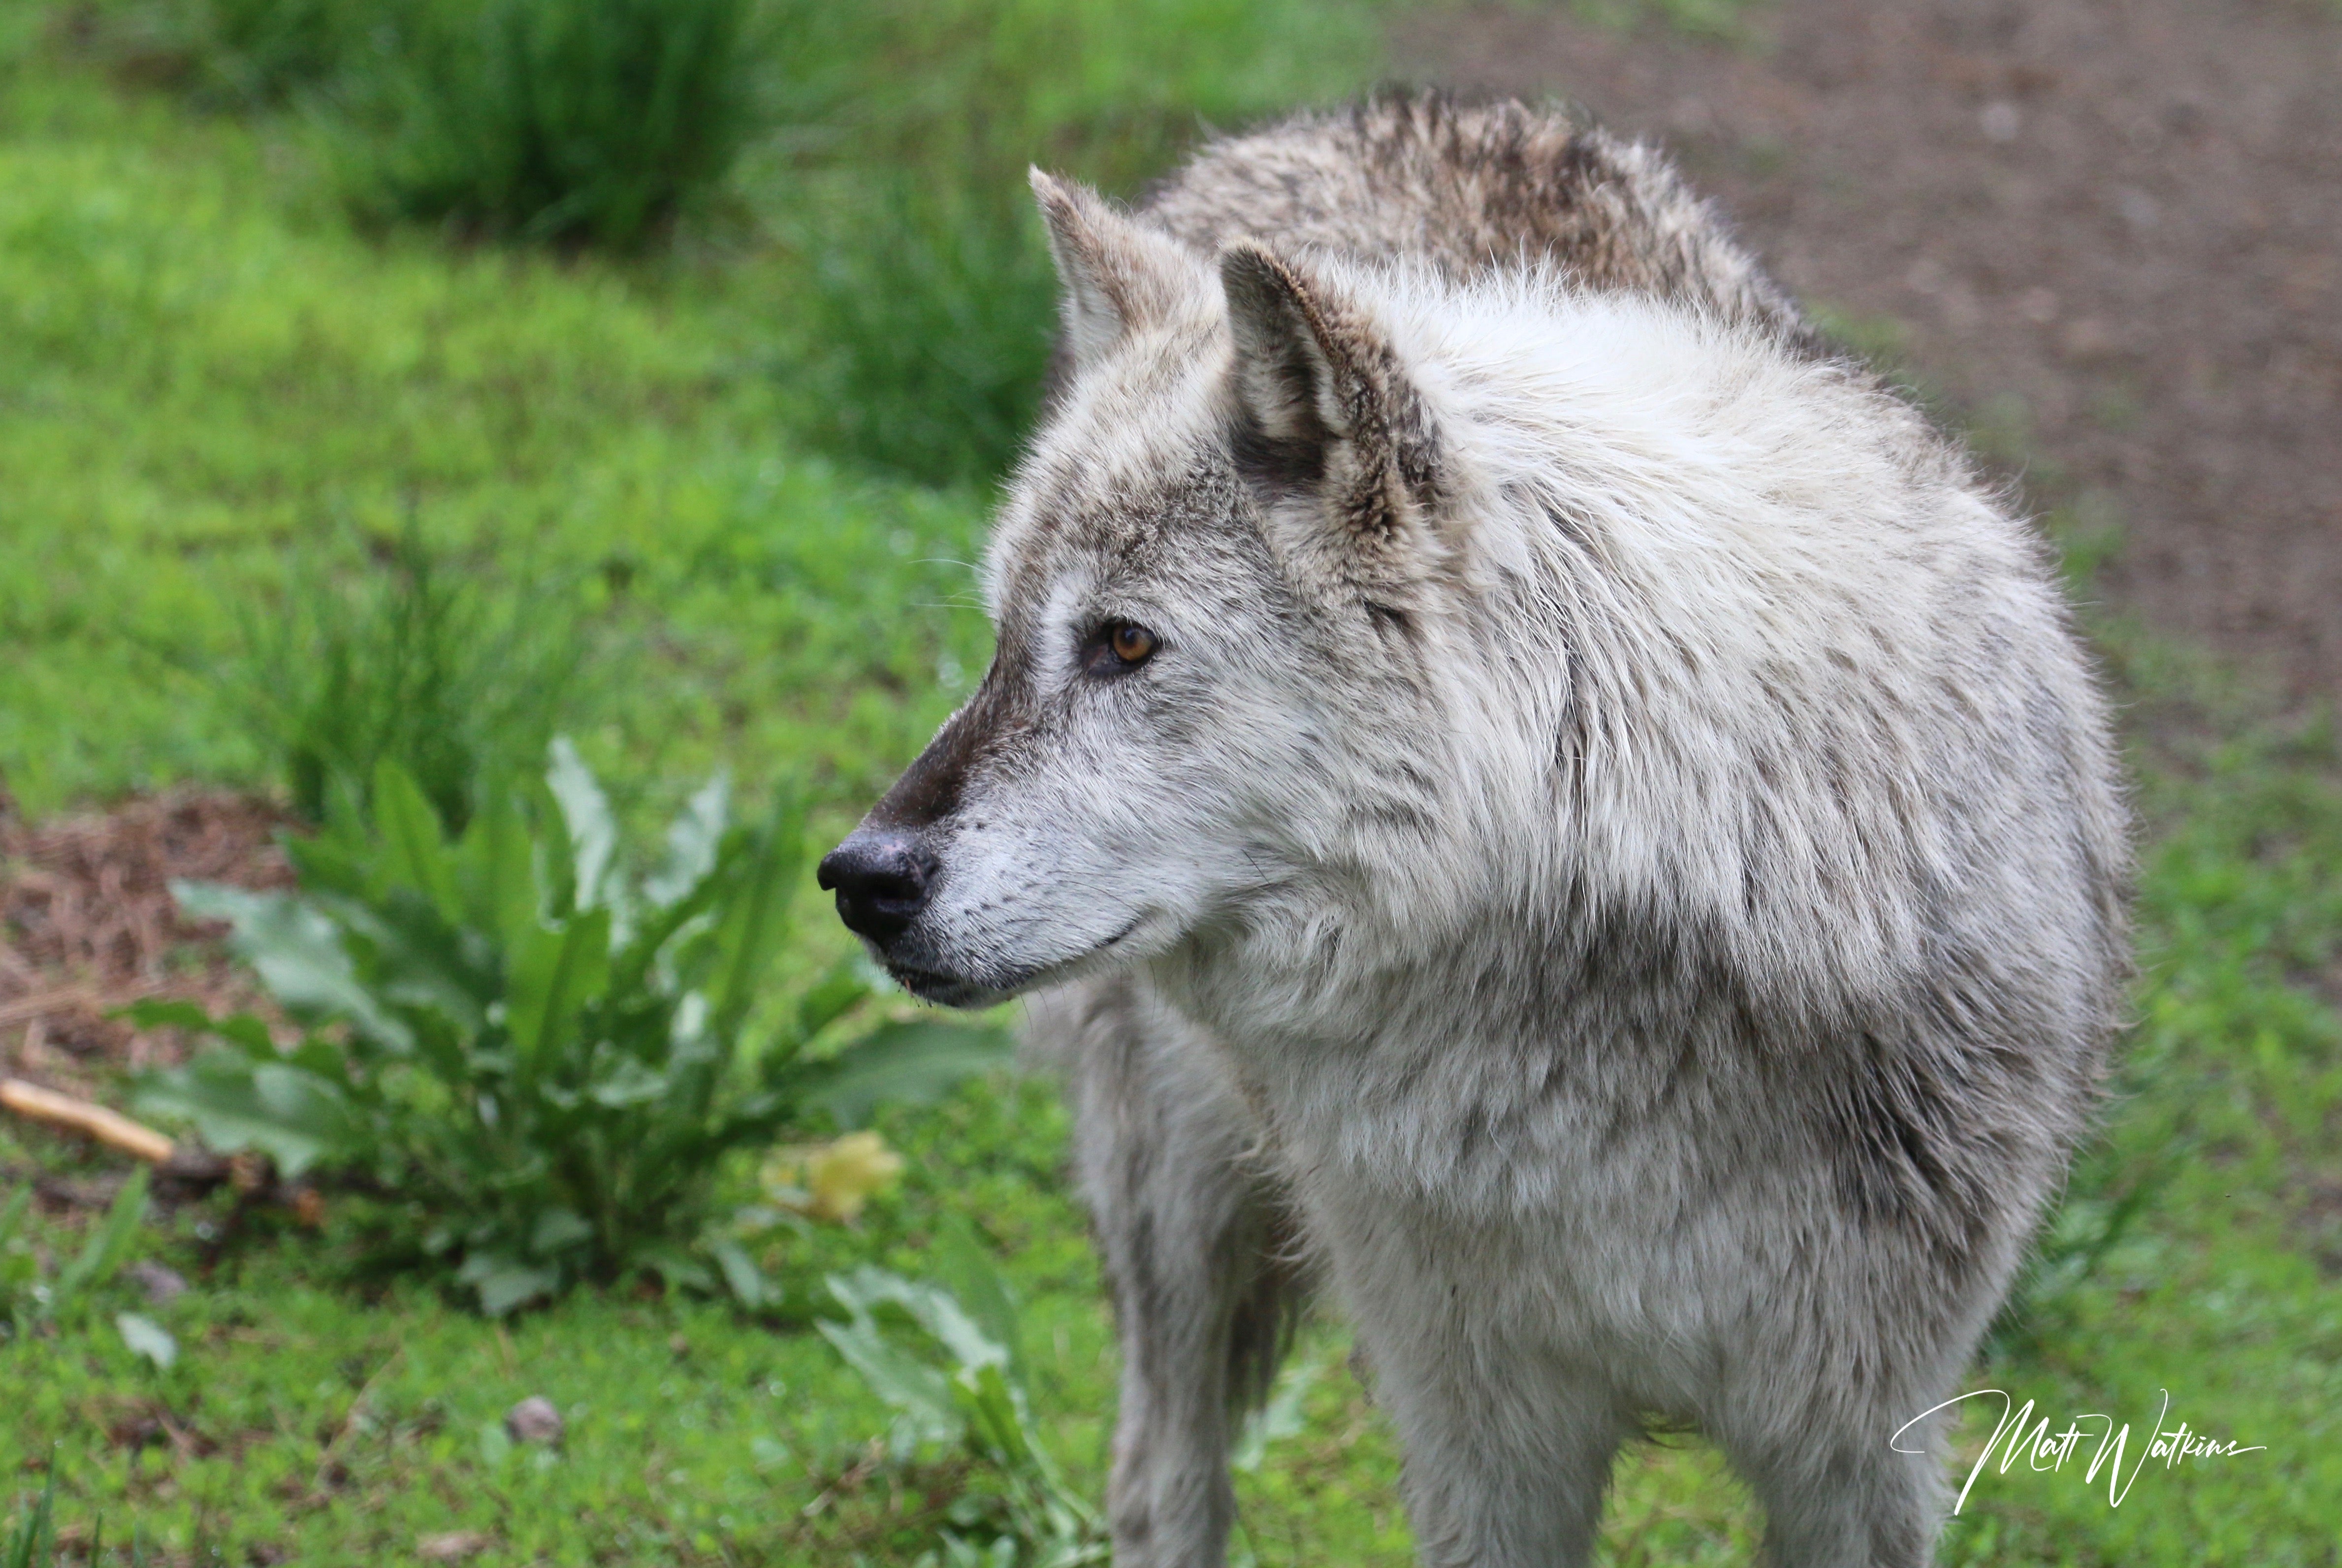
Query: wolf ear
[1116,277]
[1326,406]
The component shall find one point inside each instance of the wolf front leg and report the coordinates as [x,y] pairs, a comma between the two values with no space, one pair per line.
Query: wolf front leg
[1848,1472]
[1507,1435]
[1505,1460]
[1198,1253]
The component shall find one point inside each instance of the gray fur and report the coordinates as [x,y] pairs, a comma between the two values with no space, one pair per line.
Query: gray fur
[1616,852]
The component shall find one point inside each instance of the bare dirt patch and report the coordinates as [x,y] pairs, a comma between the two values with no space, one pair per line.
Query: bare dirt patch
[2113,224]
[87,925]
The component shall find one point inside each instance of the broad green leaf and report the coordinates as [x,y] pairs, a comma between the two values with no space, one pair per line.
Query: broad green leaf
[414,851]
[676,1267]
[329,863]
[156,1013]
[1044,1509]
[913,1063]
[996,1417]
[690,935]
[301,1101]
[694,1070]
[692,841]
[627,1082]
[496,868]
[976,1282]
[552,865]
[920,1394]
[320,1057]
[240,1029]
[553,975]
[249,1032]
[758,915]
[298,953]
[12,1216]
[931,1306]
[630,967]
[146,1337]
[291,1115]
[741,1275]
[422,961]
[959,1551]
[586,810]
[460,1060]
[556,1230]
[833,996]
[503,1281]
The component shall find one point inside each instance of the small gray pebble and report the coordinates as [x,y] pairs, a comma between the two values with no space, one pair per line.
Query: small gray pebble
[534,1420]
[161,1283]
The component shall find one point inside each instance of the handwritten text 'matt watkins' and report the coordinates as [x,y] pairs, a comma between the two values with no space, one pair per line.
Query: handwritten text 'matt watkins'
[2020,1435]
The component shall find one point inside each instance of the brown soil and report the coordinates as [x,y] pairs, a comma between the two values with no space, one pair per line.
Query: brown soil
[2127,213]
[87,925]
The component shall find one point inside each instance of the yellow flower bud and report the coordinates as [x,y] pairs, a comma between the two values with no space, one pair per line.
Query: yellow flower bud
[832,1181]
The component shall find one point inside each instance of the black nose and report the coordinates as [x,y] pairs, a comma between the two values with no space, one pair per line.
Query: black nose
[881,880]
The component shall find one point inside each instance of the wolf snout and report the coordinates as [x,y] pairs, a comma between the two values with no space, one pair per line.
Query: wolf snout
[882,879]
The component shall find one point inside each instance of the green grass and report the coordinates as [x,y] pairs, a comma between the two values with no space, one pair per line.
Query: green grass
[207,383]
[564,121]
[927,295]
[340,1420]
[215,390]
[208,388]
[876,151]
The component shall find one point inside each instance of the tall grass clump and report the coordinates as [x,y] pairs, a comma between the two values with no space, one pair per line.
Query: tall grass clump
[408,661]
[932,305]
[234,54]
[566,122]
[267,51]
[926,314]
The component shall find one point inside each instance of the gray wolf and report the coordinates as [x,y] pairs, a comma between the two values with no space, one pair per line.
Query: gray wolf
[1525,788]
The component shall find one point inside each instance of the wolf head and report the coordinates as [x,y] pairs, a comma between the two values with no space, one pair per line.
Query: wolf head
[1216,582]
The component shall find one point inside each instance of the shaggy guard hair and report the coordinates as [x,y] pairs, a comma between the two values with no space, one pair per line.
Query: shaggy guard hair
[1510,770]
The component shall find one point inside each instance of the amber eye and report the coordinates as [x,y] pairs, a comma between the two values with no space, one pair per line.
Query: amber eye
[1131,644]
